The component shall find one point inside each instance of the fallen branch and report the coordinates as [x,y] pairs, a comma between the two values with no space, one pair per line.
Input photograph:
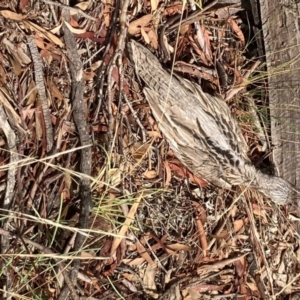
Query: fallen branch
[76,68]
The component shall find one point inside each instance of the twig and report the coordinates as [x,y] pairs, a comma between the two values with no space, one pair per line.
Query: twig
[199,32]
[135,116]
[116,58]
[79,11]
[103,68]
[76,68]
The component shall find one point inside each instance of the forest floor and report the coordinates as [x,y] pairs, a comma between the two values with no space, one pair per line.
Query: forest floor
[95,204]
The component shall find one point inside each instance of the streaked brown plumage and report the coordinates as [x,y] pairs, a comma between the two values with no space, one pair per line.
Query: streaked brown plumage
[201,129]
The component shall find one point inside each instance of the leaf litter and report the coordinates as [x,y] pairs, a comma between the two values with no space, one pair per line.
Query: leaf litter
[155,230]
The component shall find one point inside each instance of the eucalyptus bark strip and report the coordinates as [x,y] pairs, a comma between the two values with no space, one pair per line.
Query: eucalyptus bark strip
[39,80]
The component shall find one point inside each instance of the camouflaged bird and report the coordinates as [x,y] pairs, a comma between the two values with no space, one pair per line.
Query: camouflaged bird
[201,130]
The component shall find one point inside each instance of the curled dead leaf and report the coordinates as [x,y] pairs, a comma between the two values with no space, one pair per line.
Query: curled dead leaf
[235,27]
[177,167]
[135,26]
[74,30]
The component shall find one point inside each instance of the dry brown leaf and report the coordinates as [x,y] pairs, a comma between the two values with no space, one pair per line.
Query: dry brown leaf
[43,33]
[7,14]
[96,65]
[88,75]
[107,14]
[127,223]
[207,49]
[149,280]
[182,171]
[74,30]
[139,150]
[74,23]
[150,174]
[82,5]
[153,38]
[86,254]
[114,176]
[143,253]
[200,211]
[173,9]
[27,112]
[23,3]
[67,183]
[233,211]
[239,224]
[179,247]
[168,174]
[16,66]
[154,4]
[238,76]
[154,134]
[47,56]
[24,58]
[262,214]
[3,75]
[240,266]
[134,262]
[39,123]
[201,54]
[114,109]
[252,286]
[202,237]
[115,76]
[18,53]
[235,27]
[225,12]
[208,268]
[28,24]
[145,36]
[55,92]
[134,27]
[202,287]
[40,43]
[131,277]
[6,101]
[184,29]
[56,29]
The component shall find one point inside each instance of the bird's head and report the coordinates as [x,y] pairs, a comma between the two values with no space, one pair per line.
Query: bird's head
[277,189]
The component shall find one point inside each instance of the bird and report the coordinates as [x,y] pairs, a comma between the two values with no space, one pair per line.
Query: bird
[201,130]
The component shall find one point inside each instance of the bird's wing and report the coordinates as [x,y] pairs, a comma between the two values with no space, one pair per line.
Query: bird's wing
[222,115]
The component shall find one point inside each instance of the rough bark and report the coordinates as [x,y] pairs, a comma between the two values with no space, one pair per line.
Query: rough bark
[280,25]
